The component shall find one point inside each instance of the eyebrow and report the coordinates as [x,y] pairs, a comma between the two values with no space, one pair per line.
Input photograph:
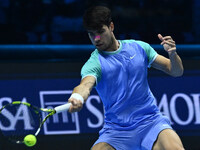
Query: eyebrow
[96,31]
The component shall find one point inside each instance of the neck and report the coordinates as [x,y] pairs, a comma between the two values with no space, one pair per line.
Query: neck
[114,46]
[117,44]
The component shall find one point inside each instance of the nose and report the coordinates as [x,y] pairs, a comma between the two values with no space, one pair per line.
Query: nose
[97,38]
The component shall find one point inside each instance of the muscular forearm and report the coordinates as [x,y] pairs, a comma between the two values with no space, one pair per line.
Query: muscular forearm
[85,87]
[81,93]
[84,91]
[176,66]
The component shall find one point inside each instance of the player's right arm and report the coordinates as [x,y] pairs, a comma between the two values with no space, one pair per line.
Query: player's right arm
[81,93]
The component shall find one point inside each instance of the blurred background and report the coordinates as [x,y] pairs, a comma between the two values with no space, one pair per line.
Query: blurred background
[43,46]
[60,21]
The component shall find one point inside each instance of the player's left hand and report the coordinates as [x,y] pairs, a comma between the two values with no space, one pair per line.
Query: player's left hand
[168,43]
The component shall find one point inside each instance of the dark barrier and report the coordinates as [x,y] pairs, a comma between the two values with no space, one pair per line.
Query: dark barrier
[59,52]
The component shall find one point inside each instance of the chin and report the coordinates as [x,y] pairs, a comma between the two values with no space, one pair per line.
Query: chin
[100,49]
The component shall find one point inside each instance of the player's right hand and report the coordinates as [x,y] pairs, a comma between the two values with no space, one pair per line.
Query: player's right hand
[76,105]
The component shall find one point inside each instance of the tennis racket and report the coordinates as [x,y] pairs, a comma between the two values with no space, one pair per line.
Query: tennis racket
[18,119]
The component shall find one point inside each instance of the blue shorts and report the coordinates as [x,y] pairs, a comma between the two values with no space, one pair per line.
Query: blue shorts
[141,138]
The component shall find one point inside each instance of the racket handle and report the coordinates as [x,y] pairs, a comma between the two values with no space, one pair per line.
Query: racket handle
[62,108]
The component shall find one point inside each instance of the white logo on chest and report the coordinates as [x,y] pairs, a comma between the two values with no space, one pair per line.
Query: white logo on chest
[131,57]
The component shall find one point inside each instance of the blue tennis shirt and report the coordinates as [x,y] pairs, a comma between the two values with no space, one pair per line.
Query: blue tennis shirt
[121,82]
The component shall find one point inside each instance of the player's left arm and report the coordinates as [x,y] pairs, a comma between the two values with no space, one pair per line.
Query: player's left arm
[172,65]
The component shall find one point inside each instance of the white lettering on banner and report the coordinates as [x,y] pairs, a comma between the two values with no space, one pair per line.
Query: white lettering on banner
[22,114]
[196,99]
[163,105]
[189,105]
[168,107]
[52,126]
[94,111]
[8,115]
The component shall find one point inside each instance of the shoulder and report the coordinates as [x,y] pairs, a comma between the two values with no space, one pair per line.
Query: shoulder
[92,67]
[93,57]
[93,60]
[143,44]
[130,41]
[145,47]
[139,43]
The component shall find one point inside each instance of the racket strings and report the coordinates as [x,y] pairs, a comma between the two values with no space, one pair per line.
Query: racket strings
[18,120]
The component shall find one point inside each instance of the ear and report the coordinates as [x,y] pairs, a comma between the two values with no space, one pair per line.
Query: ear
[112,26]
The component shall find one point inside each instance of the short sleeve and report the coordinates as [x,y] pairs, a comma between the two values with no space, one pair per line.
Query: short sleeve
[92,67]
[151,53]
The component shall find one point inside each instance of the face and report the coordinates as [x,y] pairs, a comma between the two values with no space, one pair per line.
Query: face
[102,39]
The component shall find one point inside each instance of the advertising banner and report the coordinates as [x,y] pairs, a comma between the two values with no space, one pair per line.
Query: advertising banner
[178,98]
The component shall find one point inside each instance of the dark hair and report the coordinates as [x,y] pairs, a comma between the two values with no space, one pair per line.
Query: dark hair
[95,17]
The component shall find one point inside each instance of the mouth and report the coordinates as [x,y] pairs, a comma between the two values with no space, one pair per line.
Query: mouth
[98,45]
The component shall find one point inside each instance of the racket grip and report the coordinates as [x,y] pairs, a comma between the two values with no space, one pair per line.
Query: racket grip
[62,108]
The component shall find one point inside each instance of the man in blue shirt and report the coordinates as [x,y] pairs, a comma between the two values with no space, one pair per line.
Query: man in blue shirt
[118,71]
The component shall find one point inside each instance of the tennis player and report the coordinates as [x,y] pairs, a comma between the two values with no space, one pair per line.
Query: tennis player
[118,71]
